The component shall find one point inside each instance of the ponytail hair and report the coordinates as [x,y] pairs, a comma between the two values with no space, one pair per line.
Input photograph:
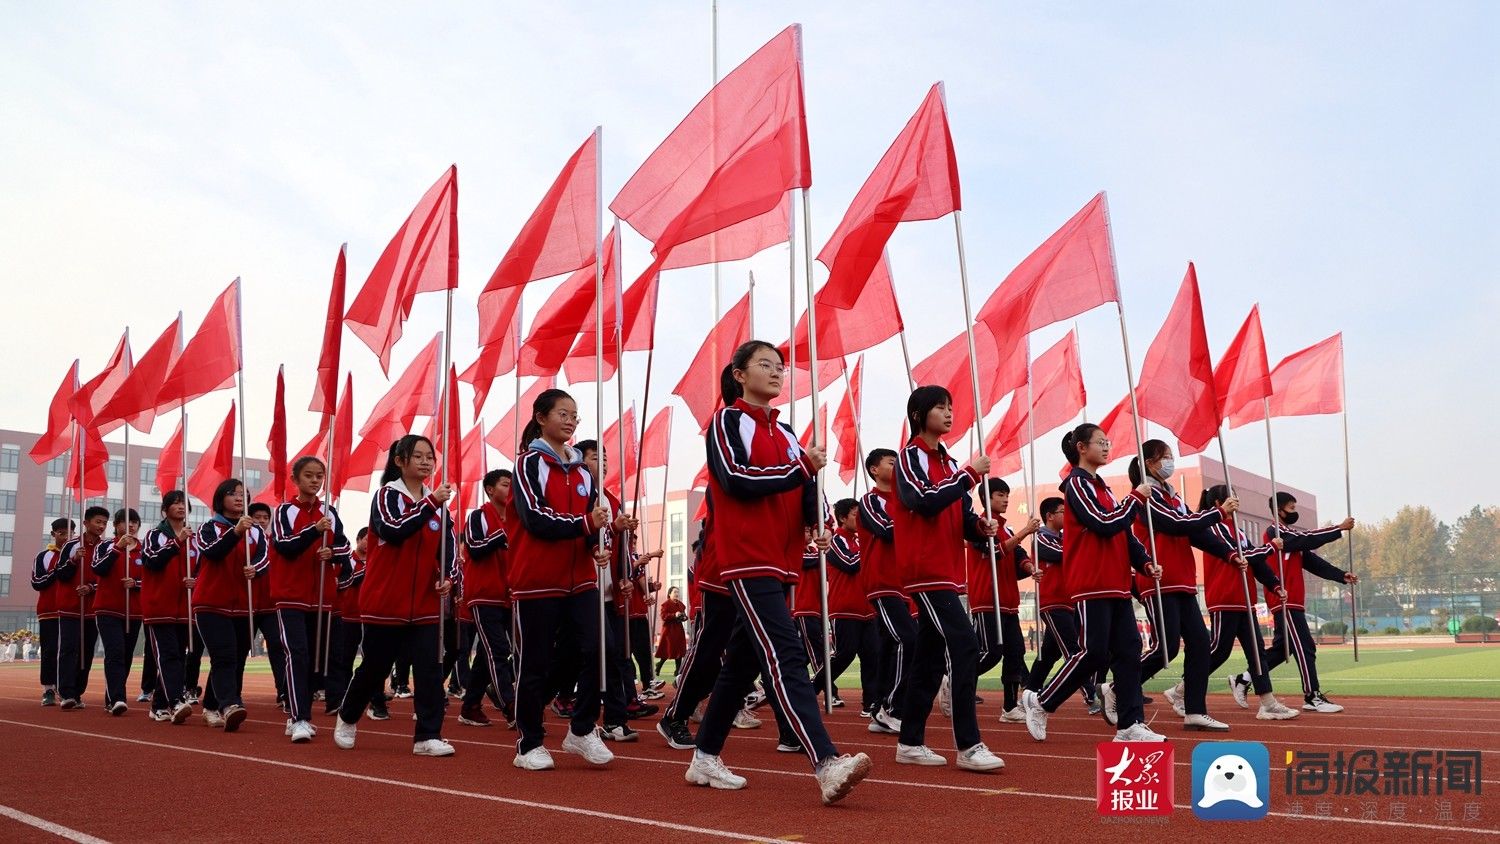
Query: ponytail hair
[731,390]
[1213,496]
[403,449]
[1153,449]
[542,406]
[1070,441]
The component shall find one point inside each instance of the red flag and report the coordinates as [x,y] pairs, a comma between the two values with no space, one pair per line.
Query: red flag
[734,243]
[1176,389]
[822,418]
[169,462]
[280,487]
[211,359]
[1071,272]
[1305,383]
[916,179]
[610,442]
[949,367]
[422,257]
[1057,395]
[503,436]
[59,435]
[215,464]
[1243,377]
[830,369]
[639,332]
[733,157]
[326,390]
[1119,429]
[95,456]
[870,320]
[564,315]
[340,468]
[846,425]
[472,465]
[559,237]
[699,387]
[448,443]
[414,394]
[499,357]
[700,480]
[656,443]
[135,400]
[97,391]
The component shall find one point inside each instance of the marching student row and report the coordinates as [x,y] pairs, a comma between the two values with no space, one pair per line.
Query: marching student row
[548,539]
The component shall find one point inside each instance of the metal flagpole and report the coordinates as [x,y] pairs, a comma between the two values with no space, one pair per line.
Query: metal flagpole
[445,519]
[125,513]
[187,552]
[1244,575]
[516,414]
[245,494]
[791,306]
[1348,507]
[911,383]
[319,661]
[750,300]
[599,384]
[1286,619]
[79,452]
[1036,558]
[624,458]
[812,368]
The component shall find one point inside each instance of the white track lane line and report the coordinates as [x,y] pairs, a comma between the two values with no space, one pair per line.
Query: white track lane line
[49,827]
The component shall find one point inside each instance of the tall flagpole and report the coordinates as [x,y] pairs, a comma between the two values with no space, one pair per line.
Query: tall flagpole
[750,300]
[1348,505]
[239,326]
[187,552]
[599,382]
[1244,575]
[328,496]
[516,415]
[78,452]
[791,305]
[624,458]
[1286,621]
[319,661]
[1036,558]
[125,512]
[911,383]
[812,369]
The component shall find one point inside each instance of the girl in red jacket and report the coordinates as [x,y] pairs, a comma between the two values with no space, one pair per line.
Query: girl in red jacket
[1100,552]
[168,557]
[933,515]
[487,603]
[762,499]
[117,564]
[408,573]
[224,569]
[554,559]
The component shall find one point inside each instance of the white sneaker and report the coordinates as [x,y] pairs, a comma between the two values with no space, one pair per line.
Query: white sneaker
[302,732]
[945,698]
[432,747]
[1204,724]
[1138,732]
[1111,710]
[884,722]
[1240,689]
[1036,716]
[788,747]
[743,720]
[620,732]
[1014,715]
[212,718]
[161,715]
[119,708]
[289,724]
[711,771]
[1174,697]
[535,759]
[979,758]
[1317,703]
[921,754]
[839,775]
[590,746]
[181,712]
[344,733]
[1276,711]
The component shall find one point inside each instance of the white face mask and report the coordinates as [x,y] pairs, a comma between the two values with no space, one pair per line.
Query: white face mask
[1165,468]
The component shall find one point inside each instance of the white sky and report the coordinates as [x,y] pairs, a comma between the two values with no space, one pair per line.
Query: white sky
[1334,163]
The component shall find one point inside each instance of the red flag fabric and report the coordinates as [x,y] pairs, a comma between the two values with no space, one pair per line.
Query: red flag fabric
[1176,389]
[734,156]
[499,357]
[734,243]
[610,440]
[95,457]
[1119,429]
[422,257]
[916,179]
[700,480]
[135,400]
[564,315]
[169,462]
[870,320]
[1057,395]
[699,387]
[807,433]
[1071,272]
[559,237]
[211,359]
[639,332]
[473,466]
[448,444]
[1243,376]
[846,425]
[656,443]
[215,464]
[949,367]
[829,370]
[1305,383]
[59,435]
[280,486]
[502,437]
[414,394]
[340,469]
[97,391]
[326,389]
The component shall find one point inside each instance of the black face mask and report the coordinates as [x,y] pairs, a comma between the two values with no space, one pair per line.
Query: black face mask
[1289,518]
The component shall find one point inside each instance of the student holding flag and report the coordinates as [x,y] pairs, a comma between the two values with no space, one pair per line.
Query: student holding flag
[77,633]
[117,564]
[1000,639]
[168,558]
[221,611]
[884,582]
[44,581]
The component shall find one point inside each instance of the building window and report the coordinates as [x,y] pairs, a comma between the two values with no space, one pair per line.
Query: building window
[676,522]
[676,570]
[112,504]
[148,472]
[10,459]
[150,512]
[7,543]
[252,480]
[7,501]
[53,505]
[57,466]
[4,585]
[115,470]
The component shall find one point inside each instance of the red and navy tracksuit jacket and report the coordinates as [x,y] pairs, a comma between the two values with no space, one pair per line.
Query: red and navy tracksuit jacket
[932,515]
[485,580]
[761,490]
[164,596]
[1223,588]
[1012,570]
[1297,556]
[1052,589]
[295,568]
[552,541]
[408,553]
[44,581]
[1097,542]
[807,598]
[220,586]
[846,594]
[109,596]
[1175,527]
[350,581]
[69,573]
[879,568]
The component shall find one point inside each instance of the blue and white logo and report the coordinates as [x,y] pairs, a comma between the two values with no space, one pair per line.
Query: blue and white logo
[434,524]
[1231,781]
[583,488]
[791,452]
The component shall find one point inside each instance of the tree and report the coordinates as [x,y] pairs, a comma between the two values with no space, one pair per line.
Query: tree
[1414,544]
[1476,541]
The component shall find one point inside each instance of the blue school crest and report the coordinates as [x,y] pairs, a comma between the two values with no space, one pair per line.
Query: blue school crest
[583,488]
[434,524]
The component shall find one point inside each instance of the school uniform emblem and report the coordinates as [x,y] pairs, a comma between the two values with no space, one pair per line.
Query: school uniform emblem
[791,452]
[583,488]
[434,524]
